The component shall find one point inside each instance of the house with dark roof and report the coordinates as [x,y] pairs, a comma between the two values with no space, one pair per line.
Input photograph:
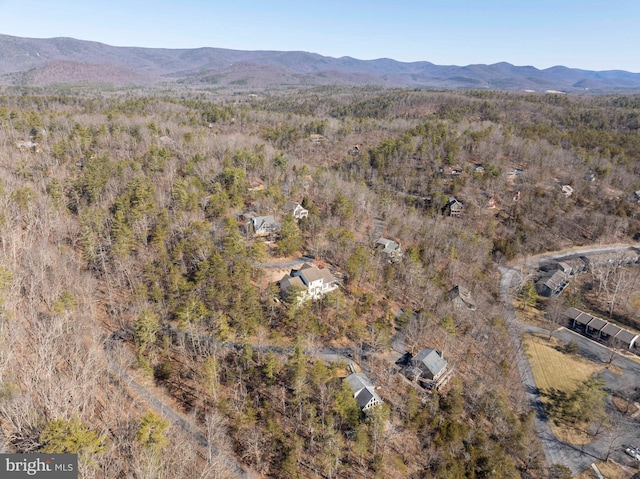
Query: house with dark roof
[363,391]
[552,284]
[600,329]
[453,208]
[315,282]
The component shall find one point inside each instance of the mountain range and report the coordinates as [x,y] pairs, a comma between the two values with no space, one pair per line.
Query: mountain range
[54,61]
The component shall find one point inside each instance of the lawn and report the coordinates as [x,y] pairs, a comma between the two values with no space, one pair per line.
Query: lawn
[554,369]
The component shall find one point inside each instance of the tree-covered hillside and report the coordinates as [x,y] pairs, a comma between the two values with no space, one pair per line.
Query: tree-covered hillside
[126,252]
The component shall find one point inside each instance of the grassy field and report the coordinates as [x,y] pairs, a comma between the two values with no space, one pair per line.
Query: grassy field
[609,470]
[558,370]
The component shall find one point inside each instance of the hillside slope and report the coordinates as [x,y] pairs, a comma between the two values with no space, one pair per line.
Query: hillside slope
[29,61]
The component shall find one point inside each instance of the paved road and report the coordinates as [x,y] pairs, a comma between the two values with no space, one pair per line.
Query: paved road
[625,431]
[285,264]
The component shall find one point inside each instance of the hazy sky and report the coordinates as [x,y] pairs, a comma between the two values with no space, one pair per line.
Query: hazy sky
[589,34]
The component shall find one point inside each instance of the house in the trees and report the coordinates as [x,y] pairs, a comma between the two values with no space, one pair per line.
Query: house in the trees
[256,184]
[364,391]
[390,248]
[429,368]
[296,210]
[312,281]
[453,208]
[461,298]
[264,225]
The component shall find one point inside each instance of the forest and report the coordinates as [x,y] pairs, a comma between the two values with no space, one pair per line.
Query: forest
[128,269]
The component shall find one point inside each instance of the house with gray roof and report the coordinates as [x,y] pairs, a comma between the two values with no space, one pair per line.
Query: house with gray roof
[390,248]
[363,391]
[264,225]
[429,368]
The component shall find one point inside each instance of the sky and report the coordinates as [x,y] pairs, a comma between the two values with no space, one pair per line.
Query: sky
[587,34]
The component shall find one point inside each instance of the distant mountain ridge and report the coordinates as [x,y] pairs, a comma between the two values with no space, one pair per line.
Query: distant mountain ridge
[38,62]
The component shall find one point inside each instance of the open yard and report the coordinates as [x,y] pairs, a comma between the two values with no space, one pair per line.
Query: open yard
[555,369]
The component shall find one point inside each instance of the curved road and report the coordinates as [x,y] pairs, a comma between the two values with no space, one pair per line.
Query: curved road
[556,451]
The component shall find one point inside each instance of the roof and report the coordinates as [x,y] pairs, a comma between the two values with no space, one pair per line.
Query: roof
[573,313]
[453,203]
[363,389]
[311,272]
[388,246]
[430,360]
[259,221]
[464,294]
[553,281]
[291,205]
[583,318]
[611,329]
[287,281]
[597,324]
[626,337]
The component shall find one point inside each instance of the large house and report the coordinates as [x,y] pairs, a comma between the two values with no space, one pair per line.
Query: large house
[313,281]
[296,210]
[363,391]
[428,367]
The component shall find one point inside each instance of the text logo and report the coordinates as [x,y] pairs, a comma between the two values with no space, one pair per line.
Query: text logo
[45,466]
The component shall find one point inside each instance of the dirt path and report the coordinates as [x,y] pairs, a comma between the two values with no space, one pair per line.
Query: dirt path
[156,401]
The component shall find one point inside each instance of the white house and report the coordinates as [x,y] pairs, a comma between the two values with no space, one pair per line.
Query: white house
[296,210]
[314,281]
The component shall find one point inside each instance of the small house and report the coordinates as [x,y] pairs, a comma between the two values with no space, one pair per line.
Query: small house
[453,208]
[363,391]
[389,248]
[296,210]
[461,298]
[551,285]
[567,190]
[264,225]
